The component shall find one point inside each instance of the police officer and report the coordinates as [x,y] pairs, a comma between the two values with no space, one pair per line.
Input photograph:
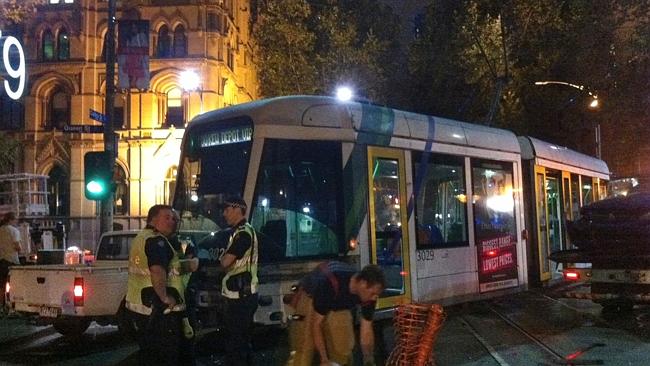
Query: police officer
[239,285]
[324,323]
[155,290]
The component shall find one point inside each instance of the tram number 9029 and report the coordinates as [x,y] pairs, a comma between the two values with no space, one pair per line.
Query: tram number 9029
[13,66]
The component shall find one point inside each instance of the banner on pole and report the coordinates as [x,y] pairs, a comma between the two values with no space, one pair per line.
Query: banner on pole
[133,54]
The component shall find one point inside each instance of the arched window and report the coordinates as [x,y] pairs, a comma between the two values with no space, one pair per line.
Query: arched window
[175,111]
[180,41]
[170,184]
[163,45]
[59,113]
[47,46]
[63,45]
[121,191]
[58,185]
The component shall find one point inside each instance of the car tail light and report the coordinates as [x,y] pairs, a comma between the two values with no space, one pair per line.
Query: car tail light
[571,275]
[78,291]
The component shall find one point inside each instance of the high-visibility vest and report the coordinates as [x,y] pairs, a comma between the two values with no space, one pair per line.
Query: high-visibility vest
[140,277]
[247,263]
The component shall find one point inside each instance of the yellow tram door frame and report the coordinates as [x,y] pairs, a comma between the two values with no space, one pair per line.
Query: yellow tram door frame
[567,203]
[379,184]
[542,218]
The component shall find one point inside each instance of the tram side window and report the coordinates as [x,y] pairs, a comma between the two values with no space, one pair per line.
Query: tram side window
[494,205]
[298,199]
[587,190]
[441,202]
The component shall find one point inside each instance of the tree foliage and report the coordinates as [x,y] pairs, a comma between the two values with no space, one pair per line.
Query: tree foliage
[8,153]
[310,47]
[475,57]
[15,11]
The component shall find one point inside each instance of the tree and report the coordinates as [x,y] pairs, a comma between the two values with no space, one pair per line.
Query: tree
[8,153]
[285,48]
[309,47]
[16,11]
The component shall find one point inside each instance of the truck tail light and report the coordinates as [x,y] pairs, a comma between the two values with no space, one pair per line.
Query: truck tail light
[571,275]
[7,290]
[78,291]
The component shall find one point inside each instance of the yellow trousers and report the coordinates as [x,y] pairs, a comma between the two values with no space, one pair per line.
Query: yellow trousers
[338,332]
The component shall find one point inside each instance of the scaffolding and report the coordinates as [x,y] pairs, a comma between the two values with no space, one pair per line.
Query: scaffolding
[24,194]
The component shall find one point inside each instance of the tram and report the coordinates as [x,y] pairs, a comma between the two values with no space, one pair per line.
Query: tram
[438,204]
[557,183]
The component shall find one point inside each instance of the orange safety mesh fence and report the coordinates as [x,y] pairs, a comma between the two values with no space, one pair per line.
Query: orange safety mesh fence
[416,329]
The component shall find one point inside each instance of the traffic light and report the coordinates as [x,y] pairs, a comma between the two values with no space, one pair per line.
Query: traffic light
[98,174]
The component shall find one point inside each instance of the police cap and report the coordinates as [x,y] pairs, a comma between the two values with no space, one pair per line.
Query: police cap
[235,201]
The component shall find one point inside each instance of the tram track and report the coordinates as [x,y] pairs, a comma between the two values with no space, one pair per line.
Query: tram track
[501,336]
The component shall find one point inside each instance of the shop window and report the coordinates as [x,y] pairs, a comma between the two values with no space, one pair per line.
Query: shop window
[441,201]
[180,42]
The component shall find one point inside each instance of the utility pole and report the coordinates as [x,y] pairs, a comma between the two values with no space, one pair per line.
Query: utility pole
[110,140]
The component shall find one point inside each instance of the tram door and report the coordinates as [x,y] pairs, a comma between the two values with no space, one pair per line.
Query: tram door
[566,205]
[542,224]
[389,223]
[555,221]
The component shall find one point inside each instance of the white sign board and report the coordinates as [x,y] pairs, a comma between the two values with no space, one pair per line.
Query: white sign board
[13,65]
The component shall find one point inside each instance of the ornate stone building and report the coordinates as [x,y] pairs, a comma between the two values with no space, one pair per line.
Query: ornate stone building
[64,47]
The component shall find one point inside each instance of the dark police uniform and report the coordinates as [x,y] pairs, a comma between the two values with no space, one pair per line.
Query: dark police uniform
[159,335]
[241,304]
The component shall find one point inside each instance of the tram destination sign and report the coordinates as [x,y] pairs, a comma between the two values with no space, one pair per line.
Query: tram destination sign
[226,136]
[83,129]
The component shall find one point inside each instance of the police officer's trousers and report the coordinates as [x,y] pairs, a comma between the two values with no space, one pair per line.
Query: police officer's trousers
[239,330]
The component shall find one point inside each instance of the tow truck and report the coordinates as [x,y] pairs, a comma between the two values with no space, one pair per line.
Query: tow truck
[612,254]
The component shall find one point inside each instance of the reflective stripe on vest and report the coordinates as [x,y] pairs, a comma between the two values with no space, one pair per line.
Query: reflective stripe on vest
[140,276]
[145,310]
[243,264]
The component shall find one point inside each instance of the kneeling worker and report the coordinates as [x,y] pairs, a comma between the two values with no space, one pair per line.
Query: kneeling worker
[324,304]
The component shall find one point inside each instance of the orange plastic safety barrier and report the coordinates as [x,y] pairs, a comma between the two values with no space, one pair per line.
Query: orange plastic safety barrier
[416,329]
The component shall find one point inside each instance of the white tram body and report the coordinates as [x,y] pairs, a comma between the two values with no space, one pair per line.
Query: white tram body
[558,181]
[437,203]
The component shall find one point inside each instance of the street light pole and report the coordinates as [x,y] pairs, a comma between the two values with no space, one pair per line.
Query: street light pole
[110,142]
[595,103]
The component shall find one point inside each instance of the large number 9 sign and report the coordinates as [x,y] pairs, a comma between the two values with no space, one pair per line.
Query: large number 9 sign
[17,72]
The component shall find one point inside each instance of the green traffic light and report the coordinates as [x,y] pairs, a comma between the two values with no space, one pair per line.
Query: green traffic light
[95,187]
[98,173]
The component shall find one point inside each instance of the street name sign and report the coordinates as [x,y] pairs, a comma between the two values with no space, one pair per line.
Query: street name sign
[97,116]
[83,129]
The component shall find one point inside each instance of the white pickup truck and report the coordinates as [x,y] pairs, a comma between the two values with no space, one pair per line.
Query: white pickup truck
[71,296]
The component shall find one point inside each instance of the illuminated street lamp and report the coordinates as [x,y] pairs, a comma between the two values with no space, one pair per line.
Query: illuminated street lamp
[191,81]
[344,93]
[595,103]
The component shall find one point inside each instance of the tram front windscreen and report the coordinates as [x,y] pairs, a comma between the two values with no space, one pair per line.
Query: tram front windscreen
[214,165]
